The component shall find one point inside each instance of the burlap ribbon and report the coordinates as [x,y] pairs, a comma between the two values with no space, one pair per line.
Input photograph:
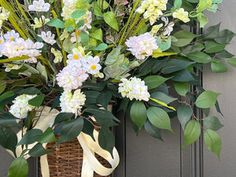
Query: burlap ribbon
[89,146]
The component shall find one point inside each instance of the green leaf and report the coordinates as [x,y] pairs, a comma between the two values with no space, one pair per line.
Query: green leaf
[207,99]
[110,19]
[184,114]
[212,122]
[71,130]
[153,131]
[232,61]
[106,139]
[199,57]
[38,150]
[101,47]
[104,98]
[63,116]
[183,38]
[174,65]
[154,81]
[103,4]
[182,88]
[18,168]
[3,86]
[37,101]
[103,117]
[183,76]
[138,114]
[159,118]
[31,136]
[47,137]
[213,47]
[203,20]
[97,34]
[213,141]
[192,132]
[203,5]
[57,23]
[224,37]
[84,37]
[177,4]
[78,13]
[8,138]
[163,97]
[218,67]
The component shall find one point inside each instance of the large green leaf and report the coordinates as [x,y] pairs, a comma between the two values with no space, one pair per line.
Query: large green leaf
[184,114]
[106,139]
[207,99]
[212,122]
[224,37]
[199,57]
[47,137]
[110,19]
[138,114]
[213,47]
[177,4]
[3,86]
[154,81]
[163,97]
[174,65]
[183,38]
[218,67]
[57,23]
[213,141]
[31,136]
[38,150]
[71,130]
[182,88]
[192,132]
[37,101]
[18,168]
[159,118]
[152,130]
[8,138]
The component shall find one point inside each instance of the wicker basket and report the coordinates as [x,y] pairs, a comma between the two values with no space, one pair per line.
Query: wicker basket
[66,160]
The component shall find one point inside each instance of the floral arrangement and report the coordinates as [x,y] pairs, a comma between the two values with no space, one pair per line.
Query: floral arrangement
[82,57]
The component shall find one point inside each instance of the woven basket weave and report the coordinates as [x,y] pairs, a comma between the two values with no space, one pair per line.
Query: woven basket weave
[66,160]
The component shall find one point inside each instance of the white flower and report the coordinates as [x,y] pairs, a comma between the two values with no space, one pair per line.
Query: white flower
[11,35]
[14,46]
[72,102]
[21,107]
[182,15]
[142,46]
[77,54]
[39,22]
[48,37]
[57,54]
[39,6]
[152,9]
[72,76]
[134,88]
[10,66]
[92,65]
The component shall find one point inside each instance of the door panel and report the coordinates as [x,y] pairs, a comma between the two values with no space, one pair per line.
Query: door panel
[225,84]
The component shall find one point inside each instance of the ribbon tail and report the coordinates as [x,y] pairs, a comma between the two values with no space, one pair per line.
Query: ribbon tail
[86,171]
[44,166]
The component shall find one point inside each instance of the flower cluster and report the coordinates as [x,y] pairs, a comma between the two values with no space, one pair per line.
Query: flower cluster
[72,102]
[182,15]
[134,88]
[142,46]
[39,6]
[11,45]
[152,9]
[21,107]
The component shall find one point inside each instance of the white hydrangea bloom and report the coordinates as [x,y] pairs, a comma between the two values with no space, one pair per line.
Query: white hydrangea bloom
[21,107]
[12,45]
[134,88]
[39,6]
[72,102]
[152,9]
[4,14]
[48,37]
[142,46]
[92,65]
[72,76]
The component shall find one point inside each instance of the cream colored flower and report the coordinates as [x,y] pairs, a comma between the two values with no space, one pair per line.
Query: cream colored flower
[48,37]
[57,54]
[155,29]
[39,22]
[182,15]
[4,14]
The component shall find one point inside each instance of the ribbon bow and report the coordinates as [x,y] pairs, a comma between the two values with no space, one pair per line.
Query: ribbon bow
[89,146]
